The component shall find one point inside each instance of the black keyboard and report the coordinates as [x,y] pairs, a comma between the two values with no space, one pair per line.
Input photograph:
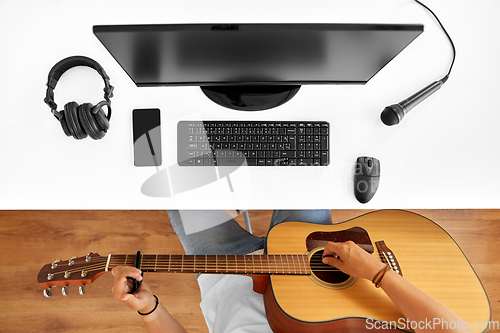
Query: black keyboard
[258,143]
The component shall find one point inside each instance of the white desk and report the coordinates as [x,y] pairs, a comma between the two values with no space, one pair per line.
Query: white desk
[444,154]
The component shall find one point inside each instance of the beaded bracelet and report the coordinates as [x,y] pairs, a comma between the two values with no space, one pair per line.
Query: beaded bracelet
[150,312]
[377,280]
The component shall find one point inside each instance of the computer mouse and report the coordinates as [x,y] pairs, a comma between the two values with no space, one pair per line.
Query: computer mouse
[366,178]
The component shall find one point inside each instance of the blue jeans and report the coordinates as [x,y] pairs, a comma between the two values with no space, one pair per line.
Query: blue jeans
[216,232]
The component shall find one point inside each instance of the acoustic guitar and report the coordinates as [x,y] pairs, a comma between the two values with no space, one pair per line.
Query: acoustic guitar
[301,294]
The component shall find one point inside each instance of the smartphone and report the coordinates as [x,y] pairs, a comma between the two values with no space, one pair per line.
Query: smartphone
[147,137]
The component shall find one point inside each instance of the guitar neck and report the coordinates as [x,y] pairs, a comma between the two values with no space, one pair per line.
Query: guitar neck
[288,264]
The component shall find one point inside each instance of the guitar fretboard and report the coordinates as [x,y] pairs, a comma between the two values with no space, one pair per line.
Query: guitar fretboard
[287,264]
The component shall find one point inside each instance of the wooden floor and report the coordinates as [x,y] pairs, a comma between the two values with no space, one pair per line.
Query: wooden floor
[30,239]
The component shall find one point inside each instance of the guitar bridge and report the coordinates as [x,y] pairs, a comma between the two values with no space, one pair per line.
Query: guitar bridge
[387,256]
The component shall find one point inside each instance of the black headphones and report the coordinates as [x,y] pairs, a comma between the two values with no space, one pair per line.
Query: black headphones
[77,120]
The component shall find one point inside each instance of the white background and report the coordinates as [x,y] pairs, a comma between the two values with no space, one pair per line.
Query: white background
[444,154]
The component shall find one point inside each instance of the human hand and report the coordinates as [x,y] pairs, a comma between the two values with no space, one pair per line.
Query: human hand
[352,260]
[142,301]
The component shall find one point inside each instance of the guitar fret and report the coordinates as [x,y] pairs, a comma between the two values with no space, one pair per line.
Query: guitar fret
[253,265]
[156,260]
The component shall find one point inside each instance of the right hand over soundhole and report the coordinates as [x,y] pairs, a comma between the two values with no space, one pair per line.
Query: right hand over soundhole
[352,260]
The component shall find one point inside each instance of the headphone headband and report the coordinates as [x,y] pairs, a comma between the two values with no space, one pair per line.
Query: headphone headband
[61,67]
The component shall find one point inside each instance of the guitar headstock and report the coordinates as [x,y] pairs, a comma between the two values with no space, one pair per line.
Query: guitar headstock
[76,270]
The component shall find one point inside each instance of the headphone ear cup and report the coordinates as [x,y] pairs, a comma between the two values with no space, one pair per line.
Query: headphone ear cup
[89,123]
[64,125]
[102,120]
[72,121]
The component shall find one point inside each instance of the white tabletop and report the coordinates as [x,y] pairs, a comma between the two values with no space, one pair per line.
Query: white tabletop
[444,154]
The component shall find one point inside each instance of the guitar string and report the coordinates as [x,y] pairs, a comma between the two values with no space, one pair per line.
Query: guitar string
[276,269]
[313,265]
[194,262]
[191,266]
[188,264]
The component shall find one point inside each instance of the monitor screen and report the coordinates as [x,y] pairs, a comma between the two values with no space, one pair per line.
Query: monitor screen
[254,54]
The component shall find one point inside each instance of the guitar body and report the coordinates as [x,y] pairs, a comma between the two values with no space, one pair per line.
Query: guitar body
[428,257]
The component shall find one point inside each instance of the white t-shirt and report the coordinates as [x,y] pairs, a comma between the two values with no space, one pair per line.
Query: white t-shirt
[229,304]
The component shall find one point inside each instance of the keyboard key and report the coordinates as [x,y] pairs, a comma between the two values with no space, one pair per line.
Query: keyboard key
[251,161]
[324,142]
[305,161]
[230,161]
[289,153]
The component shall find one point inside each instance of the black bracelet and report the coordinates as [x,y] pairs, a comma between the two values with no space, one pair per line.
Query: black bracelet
[150,312]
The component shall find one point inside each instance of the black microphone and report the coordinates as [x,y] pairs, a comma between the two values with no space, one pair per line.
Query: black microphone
[393,114]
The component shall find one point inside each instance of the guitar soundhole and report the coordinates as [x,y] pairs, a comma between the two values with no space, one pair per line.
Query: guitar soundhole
[324,272]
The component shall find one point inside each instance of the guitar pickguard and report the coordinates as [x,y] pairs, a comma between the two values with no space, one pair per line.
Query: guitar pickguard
[356,234]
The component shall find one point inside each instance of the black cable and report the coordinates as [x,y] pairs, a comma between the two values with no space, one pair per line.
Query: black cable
[445,78]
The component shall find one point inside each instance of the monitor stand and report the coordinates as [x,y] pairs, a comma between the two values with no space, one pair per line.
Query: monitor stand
[250,98]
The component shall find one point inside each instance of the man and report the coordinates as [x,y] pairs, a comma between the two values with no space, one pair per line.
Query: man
[228,301]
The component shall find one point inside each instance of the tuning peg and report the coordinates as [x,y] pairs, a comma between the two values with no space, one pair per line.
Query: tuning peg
[54,264]
[47,292]
[71,262]
[64,290]
[81,289]
[88,258]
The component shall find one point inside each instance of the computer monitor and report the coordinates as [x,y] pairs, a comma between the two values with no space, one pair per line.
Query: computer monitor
[254,66]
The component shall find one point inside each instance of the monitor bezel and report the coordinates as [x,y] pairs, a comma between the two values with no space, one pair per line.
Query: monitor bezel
[256,26]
